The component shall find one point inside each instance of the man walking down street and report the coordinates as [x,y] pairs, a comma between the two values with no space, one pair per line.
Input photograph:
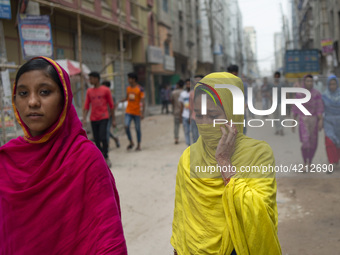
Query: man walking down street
[193,126]
[233,69]
[99,97]
[277,114]
[135,98]
[185,111]
[176,107]
[265,94]
[165,98]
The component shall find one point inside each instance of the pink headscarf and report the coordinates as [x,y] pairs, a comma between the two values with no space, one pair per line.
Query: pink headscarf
[314,105]
[57,195]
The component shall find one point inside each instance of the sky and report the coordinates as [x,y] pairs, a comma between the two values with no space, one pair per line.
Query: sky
[265,16]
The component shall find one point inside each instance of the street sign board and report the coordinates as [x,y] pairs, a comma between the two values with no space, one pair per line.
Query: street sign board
[35,36]
[5,9]
[298,63]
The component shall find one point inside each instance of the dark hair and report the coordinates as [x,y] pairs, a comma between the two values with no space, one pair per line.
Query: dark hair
[187,80]
[106,83]
[43,65]
[277,73]
[308,76]
[232,69]
[133,76]
[95,75]
[199,76]
[180,83]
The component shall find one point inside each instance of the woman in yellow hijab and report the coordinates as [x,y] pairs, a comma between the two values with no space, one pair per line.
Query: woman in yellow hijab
[221,207]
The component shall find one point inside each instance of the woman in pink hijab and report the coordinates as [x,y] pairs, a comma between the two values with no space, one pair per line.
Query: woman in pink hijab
[57,195]
[309,126]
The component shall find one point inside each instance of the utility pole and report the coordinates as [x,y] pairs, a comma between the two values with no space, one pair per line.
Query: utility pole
[208,7]
[284,28]
[121,48]
[3,59]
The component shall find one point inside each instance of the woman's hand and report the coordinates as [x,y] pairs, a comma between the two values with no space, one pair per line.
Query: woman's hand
[225,150]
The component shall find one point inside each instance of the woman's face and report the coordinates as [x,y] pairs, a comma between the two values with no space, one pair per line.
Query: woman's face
[38,100]
[213,111]
[333,85]
[309,83]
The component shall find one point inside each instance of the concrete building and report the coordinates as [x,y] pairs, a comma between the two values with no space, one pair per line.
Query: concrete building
[212,27]
[97,29]
[295,25]
[318,23]
[250,69]
[234,38]
[164,73]
[279,48]
[185,37]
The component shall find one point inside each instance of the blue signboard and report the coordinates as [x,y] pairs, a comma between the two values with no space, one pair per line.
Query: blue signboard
[35,36]
[301,62]
[5,9]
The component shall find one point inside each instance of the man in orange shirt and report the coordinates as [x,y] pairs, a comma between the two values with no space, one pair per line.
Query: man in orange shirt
[99,97]
[135,98]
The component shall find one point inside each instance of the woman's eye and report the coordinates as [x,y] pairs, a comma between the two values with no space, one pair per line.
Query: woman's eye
[22,93]
[45,92]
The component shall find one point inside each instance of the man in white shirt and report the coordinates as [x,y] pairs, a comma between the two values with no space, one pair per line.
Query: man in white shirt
[185,109]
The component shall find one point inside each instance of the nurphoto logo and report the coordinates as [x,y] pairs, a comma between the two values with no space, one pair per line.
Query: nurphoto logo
[238,105]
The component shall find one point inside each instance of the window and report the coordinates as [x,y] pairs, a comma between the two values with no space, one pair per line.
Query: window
[121,5]
[133,9]
[165,5]
[166,48]
[106,4]
[150,3]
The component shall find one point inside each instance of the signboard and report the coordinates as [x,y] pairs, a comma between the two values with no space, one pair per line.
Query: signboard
[298,63]
[169,63]
[327,46]
[5,9]
[6,83]
[155,55]
[35,36]
[9,118]
[8,114]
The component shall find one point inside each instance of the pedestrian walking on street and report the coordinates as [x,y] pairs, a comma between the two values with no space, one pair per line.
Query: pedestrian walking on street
[176,108]
[185,111]
[108,132]
[165,98]
[266,94]
[331,100]
[57,194]
[99,98]
[310,125]
[193,126]
[277,114]
[233,69]
[134,110]
[224,211]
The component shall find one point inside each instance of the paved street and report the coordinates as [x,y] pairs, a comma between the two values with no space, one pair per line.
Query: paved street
[308,204]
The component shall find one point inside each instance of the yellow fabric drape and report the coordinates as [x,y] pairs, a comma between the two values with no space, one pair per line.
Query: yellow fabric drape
[210,218]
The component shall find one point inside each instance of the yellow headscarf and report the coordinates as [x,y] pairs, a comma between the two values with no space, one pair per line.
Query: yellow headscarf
[211,218]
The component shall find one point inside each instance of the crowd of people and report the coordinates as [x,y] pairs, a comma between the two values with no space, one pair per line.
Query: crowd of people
[103,105]
[324,107]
